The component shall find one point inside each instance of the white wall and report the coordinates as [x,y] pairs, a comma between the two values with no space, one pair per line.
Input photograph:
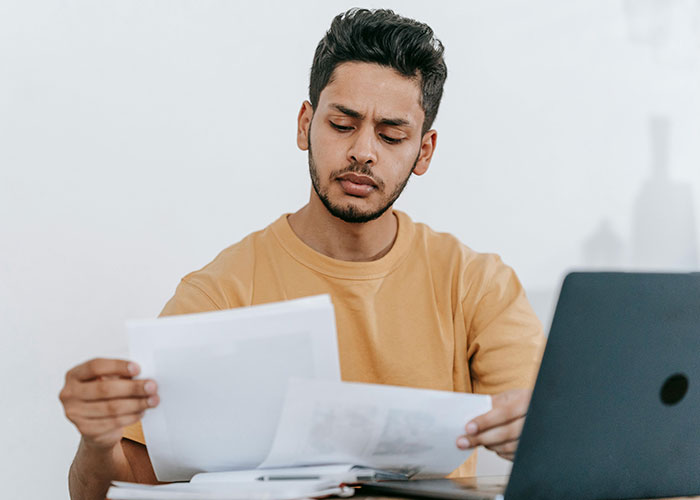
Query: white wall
[139,138]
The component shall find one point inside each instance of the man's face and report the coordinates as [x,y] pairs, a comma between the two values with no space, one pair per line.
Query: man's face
[364,140]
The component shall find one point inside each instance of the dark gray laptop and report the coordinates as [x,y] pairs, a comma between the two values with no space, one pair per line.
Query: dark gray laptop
[615,413]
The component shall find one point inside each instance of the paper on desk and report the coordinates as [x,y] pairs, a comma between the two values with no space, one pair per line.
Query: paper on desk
[222,377]
[257,490]
[344,471]
[378,426]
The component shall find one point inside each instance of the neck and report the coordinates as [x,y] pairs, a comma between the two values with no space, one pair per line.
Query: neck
[335,238]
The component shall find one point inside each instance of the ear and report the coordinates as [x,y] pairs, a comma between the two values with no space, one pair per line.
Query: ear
[427,148]
[303,125]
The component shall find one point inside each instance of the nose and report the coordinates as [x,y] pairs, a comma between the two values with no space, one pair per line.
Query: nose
[363,148]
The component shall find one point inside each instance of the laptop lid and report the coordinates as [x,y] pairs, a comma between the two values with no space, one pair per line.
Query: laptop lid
[615,412]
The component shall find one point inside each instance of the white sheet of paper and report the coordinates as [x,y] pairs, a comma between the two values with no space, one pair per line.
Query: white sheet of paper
[222,377]
[384,427]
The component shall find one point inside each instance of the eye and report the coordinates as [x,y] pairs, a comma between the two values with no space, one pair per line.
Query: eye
[390,140]
[341,128]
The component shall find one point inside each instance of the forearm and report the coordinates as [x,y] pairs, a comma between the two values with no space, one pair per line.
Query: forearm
[93,470]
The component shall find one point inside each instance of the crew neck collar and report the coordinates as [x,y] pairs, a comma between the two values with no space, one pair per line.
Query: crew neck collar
[344,269]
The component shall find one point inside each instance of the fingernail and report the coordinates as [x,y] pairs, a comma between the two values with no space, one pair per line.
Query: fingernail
[149,387]
[152,401]
[463,443]
[133,368]
[472,428]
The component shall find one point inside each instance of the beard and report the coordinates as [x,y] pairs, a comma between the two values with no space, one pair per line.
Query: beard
[350,213]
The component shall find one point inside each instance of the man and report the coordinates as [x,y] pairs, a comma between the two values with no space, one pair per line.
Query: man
[413,307]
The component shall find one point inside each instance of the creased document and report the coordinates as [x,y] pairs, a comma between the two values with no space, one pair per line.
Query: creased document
[384,427]
[222,378]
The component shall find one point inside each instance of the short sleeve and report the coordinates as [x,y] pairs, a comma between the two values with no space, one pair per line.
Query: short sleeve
[189,298]
[134,432]
[505,337]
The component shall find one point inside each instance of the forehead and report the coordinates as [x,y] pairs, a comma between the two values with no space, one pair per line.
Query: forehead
[374,90]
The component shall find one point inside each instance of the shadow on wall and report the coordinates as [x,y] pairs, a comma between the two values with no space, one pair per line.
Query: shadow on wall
[664,231]
[670,28]
[664,234]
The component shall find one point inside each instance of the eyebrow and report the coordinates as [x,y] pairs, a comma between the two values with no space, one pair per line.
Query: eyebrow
[393,122]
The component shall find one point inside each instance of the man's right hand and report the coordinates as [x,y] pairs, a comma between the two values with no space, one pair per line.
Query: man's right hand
[101,398]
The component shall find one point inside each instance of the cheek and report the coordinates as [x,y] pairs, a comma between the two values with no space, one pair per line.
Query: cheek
[327,152]
[403,164]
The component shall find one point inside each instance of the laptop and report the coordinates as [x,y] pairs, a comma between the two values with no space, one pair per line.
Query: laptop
[615,413]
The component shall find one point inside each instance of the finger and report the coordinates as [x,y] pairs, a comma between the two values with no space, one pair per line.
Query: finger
[115,389]
[498,435]
[507,406]
[117,407]
[94,427]
[508,448]
[100,367]
[494,418]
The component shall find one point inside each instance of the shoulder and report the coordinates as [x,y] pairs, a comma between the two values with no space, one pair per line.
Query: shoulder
[439,245]
[476,271]
[443,246]
[235,261]
[226,281]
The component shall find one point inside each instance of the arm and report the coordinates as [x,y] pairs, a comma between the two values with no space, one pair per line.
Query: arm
[100,398]
[505,347]
[91,473]
[93,469]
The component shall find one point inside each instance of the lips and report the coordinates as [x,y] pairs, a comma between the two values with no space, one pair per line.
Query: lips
[358,179]
[359,186]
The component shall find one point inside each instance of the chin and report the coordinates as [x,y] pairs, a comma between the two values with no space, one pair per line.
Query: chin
[354,214]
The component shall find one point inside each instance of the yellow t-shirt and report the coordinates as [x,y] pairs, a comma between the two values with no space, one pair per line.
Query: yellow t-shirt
[431,313]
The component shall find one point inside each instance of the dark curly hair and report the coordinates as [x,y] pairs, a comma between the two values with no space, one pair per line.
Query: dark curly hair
[380,36]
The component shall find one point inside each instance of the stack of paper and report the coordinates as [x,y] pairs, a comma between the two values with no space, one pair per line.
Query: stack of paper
[274,490]
[259,389]
[343,473]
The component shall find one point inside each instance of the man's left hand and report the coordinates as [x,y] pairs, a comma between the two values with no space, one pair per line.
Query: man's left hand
[499,429]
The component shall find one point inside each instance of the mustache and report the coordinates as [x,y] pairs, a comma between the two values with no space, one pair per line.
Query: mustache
[361,169]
